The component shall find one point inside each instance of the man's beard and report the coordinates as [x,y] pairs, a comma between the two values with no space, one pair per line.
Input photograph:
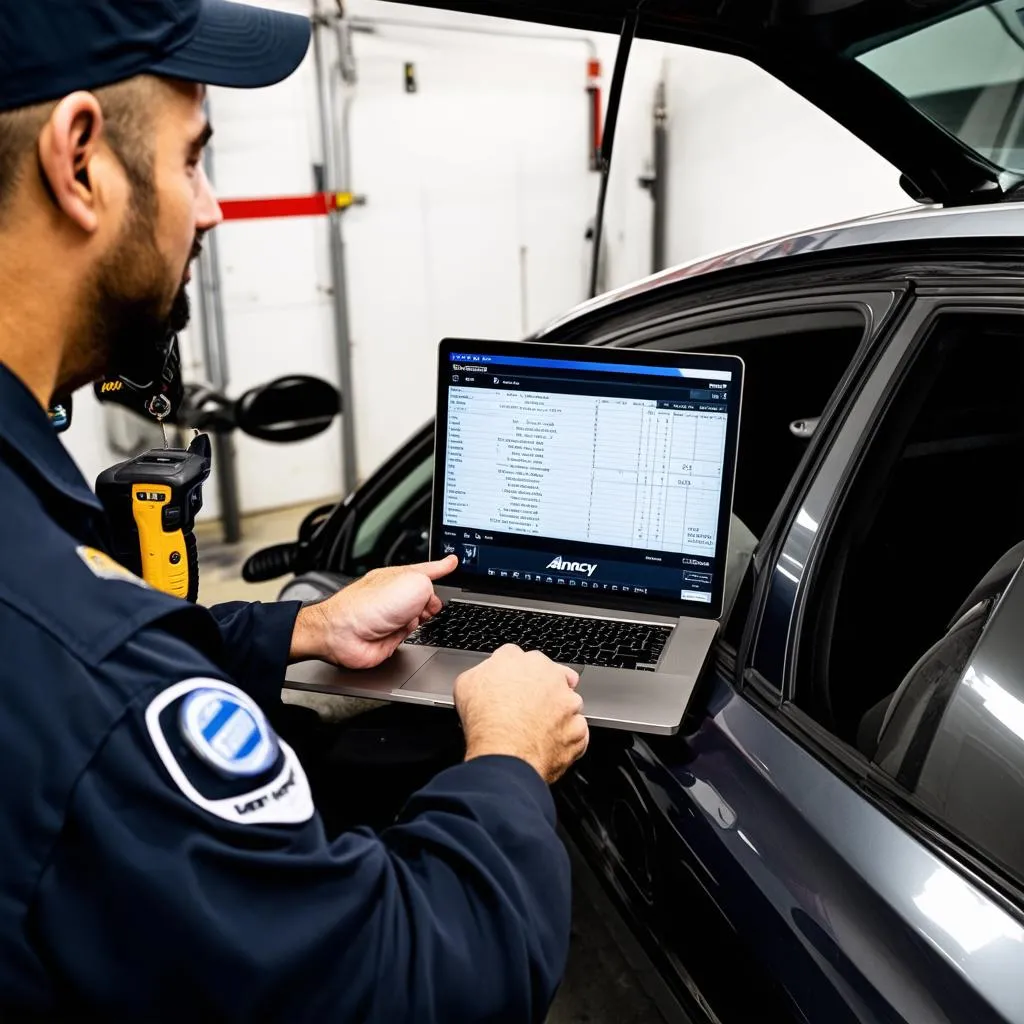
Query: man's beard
[136,332]
[128,319]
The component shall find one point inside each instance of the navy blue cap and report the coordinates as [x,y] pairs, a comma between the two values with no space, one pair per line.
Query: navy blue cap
[49,48]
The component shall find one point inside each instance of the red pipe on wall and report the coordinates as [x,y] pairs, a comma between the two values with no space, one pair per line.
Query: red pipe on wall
[317,205]
[594,94]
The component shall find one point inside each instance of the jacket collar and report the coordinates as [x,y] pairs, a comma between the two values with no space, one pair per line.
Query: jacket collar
[26,430]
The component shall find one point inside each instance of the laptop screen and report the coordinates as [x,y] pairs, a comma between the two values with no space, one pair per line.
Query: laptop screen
[589,475]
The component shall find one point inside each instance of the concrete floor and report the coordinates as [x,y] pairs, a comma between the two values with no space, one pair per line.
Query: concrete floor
[600,986]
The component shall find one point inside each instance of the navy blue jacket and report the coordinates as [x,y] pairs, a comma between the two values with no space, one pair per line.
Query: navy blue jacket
[160,856]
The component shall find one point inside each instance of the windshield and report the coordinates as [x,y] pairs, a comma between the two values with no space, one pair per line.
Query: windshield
[967,74]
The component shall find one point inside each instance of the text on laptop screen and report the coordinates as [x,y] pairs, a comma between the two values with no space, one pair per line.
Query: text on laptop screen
[586,474]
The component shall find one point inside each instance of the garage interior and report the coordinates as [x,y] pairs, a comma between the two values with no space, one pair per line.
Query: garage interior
[429,174]
[464,150]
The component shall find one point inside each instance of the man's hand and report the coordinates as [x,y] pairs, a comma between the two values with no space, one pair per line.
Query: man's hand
[525,706]
[362,625]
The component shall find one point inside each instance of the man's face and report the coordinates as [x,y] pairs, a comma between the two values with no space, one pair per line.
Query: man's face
[137,296]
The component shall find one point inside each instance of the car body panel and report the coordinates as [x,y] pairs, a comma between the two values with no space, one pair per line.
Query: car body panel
[853,917]
[901,231]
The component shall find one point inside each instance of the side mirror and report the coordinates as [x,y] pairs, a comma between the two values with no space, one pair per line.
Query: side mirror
[288,409]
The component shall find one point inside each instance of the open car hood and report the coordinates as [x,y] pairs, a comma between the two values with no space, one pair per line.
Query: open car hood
[893,72]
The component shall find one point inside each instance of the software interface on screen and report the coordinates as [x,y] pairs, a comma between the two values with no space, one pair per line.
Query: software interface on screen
[588,475]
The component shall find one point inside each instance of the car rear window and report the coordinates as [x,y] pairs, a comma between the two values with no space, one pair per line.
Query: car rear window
[966,73]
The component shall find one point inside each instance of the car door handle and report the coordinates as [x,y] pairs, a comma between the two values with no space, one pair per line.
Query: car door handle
[804,429]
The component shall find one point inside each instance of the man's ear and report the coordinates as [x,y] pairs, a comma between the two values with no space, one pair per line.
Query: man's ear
[68,145]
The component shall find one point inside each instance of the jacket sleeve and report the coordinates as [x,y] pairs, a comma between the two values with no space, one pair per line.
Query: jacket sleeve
[159,904]
[257,639]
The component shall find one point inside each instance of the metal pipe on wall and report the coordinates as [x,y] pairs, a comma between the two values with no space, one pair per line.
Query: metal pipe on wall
[215,356]
[333,173]
[659,187]
[371,24]
[349,77]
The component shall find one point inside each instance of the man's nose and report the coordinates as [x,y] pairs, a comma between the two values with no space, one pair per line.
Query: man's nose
[208,212]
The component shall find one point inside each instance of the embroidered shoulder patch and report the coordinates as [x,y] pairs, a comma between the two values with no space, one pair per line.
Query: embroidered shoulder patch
[102,565]
[224,756]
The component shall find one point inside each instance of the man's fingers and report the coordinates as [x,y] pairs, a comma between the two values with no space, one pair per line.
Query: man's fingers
[579,735]
[435,570]
[582,744]
[572,677]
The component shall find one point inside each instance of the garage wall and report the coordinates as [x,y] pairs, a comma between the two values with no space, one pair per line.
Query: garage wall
[478,192]
[748,160]
[479,196]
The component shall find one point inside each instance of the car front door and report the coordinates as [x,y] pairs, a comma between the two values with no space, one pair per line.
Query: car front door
[728,846]
[668,823]
[753,848]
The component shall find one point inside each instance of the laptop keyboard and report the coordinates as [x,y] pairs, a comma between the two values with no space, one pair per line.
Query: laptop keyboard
[564,638]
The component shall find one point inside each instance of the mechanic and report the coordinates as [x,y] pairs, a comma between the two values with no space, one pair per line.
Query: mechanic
[162,856]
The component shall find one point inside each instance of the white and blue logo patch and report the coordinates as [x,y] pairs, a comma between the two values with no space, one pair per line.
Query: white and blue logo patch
[225,729]
[229,733]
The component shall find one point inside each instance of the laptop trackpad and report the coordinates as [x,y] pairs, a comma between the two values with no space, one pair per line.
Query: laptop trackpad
[438,675]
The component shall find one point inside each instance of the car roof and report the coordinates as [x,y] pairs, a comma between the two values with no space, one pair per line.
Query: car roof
[902,227]
[826,51]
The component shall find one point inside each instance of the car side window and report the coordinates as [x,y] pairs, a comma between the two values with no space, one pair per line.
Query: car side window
[934,503]
[373,524]
[389,521]
[794,360]
[792,366]
[929,533]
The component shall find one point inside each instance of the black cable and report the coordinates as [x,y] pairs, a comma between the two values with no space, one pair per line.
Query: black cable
[629,27]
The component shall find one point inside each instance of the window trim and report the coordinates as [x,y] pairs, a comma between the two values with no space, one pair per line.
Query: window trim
[875,301]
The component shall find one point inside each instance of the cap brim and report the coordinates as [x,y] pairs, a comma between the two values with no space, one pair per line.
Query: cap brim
[239,46]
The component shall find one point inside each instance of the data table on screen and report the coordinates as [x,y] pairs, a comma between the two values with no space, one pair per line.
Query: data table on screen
[627,472]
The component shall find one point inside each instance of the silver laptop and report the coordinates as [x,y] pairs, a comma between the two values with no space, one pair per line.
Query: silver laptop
[587,493]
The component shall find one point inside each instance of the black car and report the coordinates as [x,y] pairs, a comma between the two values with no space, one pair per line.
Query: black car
[837,831]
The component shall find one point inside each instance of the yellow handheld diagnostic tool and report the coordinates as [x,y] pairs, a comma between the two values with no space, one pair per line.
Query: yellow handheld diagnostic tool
[152,501]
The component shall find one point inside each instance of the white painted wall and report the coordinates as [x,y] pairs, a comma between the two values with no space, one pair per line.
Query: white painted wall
[478,199]
[479,193]
[748,160]
[275,281]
